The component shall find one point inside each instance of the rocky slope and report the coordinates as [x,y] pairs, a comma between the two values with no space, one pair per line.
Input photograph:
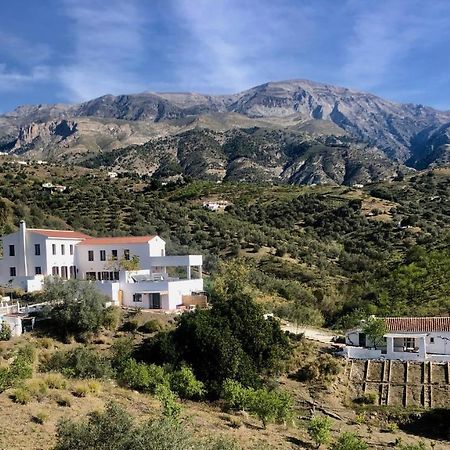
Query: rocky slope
[401,132]
[253,155]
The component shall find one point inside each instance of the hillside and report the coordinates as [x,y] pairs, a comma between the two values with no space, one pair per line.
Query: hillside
[370,127]
[329,248]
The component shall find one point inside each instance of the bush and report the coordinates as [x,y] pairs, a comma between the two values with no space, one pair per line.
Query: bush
[5,332]
[121,351]
[171,408]
[81,389]
[55,381]
[81,362]
[322,369]
[114,429]
[63,400]
[111,318]
[271,406]
[143,377]
[185,384]
[319,430]
[40,417]
[78,307]
[21,395]
[130,326]
[37,388]
[20,369]
[368,398]
[235,395]
[151,326]
[349,441]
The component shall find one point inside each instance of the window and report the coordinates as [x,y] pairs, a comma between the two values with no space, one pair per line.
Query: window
[137,298]
[116,276]
[71,249]
[55,271]
[91,255]
[37,249]
[64,272]
[53,249]
[431,340]
[114,254]
[38,270]
[90,276]
[72,272]
[12,271]
[12,250]
[162,252]
[126,254]
[63,249]
[102,255]
[105,276]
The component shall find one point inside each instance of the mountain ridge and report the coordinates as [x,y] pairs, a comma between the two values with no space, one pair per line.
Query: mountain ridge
[402,132]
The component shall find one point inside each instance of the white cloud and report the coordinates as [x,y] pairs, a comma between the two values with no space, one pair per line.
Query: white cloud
[234,44]
[385,33]
[108,48]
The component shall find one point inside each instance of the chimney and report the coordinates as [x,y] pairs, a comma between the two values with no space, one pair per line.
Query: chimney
[23,246]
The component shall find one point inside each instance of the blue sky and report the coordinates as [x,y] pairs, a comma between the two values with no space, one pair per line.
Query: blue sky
[72,50]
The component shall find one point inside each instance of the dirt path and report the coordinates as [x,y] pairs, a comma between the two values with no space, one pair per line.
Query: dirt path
[315,334]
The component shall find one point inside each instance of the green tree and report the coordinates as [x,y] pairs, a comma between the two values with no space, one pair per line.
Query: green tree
[5,331]
[375,328]
[319,430]
[271,406]
[77,306]
[185,384]
[349,441]
[171,408]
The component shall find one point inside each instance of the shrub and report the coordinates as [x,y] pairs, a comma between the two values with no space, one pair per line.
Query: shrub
[135,375]
[367,398]
[111,318]
[81,390]
[55,381]
[37,388]
[322,369]
[46,343]
[185,384]
[235,395]
[349,441]
[94,386]
[78,307]
[121,351]
[271,406]
[151,326]
[130,326]
[115,429]
[21,395]
[171,408]
[63,400]
[80,362]
[5,331]
[40,417]
[319,430]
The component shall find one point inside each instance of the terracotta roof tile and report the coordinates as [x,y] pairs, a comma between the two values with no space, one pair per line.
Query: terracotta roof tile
[417,324]
[117,240]
[65,234]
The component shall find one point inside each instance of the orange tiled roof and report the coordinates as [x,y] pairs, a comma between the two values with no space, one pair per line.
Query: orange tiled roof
[117,240]
[65,234]
[417,324]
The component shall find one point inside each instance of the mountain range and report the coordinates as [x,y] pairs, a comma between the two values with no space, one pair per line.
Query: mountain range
[295,131]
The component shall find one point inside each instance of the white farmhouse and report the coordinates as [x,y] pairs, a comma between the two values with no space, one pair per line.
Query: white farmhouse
[31,254]
[406,339]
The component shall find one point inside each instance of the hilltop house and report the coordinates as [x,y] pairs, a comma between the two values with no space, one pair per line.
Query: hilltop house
[407,339]
[159,281]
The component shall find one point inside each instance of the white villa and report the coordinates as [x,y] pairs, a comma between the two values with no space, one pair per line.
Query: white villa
[407,339]
[161,282]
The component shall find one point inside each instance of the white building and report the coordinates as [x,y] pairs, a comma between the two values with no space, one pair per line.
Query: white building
[30,254]
[407,339]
